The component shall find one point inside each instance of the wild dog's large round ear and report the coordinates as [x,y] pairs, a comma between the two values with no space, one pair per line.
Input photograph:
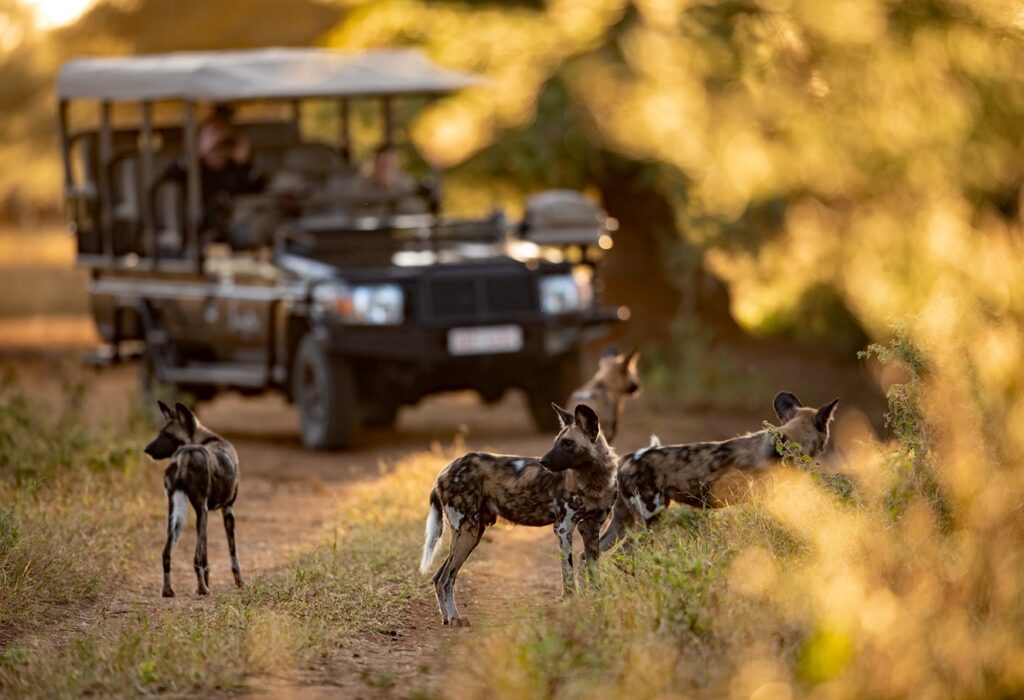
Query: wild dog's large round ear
[609,356]
[587,420]
[166,410]
[564,417]
[185,417]
[824,415]
[631,358]
[785,405]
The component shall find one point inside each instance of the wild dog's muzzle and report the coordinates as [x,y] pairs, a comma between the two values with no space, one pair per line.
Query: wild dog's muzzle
[162,447]
[558,459]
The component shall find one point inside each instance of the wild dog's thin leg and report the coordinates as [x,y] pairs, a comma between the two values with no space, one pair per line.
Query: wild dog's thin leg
[229,528]
[590,531]
[464,541]
[622,517]
[440,576]
[168,592]
[563,530]
[648,505]
[202,570]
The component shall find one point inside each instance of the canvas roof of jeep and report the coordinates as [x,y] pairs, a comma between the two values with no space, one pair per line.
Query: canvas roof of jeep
[278,73]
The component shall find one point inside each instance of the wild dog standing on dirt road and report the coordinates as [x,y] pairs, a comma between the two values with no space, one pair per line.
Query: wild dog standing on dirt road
[204,472]
[571,486]
[649,478]
[616,378]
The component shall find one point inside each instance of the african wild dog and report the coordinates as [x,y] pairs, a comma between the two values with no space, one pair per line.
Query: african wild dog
[572,485]
[649,478]
[203,471]
[616,378]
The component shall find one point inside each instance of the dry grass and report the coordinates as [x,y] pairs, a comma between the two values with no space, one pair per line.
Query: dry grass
[71,511]
[48,246]
[48,333]
[40,280]
[664,617]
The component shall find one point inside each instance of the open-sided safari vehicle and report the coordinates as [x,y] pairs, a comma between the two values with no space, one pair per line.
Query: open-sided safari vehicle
[350,293]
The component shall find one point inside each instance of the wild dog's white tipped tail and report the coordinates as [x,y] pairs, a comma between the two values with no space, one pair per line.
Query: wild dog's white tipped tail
[179,503]
[655,441]
[432,534]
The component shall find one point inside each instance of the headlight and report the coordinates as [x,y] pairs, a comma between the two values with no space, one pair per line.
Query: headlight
[560,294]
[370,304]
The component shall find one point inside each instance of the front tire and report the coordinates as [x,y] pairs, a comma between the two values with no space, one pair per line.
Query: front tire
[324,391]
[554,383]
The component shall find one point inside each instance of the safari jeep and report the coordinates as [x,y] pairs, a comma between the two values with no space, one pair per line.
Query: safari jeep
[311,282]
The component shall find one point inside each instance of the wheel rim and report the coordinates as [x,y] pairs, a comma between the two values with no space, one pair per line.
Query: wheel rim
[312,394]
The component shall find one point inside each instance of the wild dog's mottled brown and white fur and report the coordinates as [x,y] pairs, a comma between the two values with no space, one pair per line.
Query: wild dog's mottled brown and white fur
[571,486]
[650,478]
[606,392]
[204,472]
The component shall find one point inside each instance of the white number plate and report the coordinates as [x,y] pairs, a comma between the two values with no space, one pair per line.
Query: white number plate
[484,340]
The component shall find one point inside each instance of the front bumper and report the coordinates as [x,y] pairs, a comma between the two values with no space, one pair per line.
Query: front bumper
[544,338]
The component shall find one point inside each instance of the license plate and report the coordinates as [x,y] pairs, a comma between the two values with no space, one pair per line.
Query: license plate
[484,340]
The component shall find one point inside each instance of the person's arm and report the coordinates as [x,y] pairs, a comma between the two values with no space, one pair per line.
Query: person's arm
[242,153]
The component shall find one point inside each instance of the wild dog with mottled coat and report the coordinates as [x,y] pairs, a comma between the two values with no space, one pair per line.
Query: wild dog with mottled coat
[204,472]
[571,486]
[615,380]
[650,478]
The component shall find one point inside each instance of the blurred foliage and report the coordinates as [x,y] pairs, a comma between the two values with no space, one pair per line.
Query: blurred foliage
[152,26]
[817,313]
[806,134]
[27,64]
[696,369]
[910,458]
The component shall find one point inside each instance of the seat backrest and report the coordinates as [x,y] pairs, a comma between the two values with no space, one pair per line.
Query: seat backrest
[168,206]
[126,189]
[312,159]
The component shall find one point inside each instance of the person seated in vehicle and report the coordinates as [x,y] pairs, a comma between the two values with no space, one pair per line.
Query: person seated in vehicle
[225,154]
[386,190]
[226,171]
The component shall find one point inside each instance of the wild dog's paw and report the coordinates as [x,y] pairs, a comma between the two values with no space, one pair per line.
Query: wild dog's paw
[203,589]
[460,622]
[167,592]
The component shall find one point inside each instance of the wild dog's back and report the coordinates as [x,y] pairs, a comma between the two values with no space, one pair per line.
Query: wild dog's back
[224,474]
[518,489]
[686,473]
[709,474]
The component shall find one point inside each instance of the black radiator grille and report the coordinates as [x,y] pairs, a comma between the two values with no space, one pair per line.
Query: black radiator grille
[481,296]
